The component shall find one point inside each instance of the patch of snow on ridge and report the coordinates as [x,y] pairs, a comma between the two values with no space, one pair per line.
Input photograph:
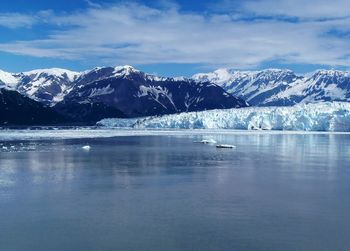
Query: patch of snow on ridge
[8,78]
[71,75]
[155,92]
[252,86]
[220,76]
[127,70]
[124,70]
[329,116]
[101,91]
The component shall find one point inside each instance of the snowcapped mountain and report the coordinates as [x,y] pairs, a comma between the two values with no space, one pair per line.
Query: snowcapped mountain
[7,79]
[47,86]
[50,86]
[135,94]
[100,73]
[124,91]
[281,87]
[323,85]
[116,92]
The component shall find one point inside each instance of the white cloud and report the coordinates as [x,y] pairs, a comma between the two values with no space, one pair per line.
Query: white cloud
[137,34]
[319,9]
[93,4]
[16,20]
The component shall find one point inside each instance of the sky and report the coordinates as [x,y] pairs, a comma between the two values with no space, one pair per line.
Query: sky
[175,38]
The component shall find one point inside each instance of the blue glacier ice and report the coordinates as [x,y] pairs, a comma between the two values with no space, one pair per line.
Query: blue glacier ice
[326,116]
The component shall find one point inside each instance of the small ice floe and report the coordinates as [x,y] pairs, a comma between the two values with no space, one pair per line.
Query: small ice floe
[86,148]
[206,141]
[225,146]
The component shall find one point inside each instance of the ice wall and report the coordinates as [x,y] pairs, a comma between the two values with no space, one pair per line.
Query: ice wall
[328,116]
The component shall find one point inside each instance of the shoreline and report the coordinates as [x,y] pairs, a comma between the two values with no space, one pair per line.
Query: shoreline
[86,133]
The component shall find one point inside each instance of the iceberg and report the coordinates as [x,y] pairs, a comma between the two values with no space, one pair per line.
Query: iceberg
[86,148]
[325,116]
[206,141]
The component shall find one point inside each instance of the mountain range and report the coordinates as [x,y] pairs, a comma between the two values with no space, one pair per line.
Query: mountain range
[124,91]
[279,87]
[116,92]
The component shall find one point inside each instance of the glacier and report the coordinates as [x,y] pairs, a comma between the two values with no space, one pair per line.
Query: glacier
[325,116]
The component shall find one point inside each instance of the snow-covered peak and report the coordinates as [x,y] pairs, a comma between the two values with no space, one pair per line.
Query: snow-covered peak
[329,74]
[117,72]
[129,71]
[273,75]
[58,72]
[263,87]
[276,71]
[252,86]
[124,70]
[48,86]
[332,72]
[181,78]
[96,69]
[8,79]
[224,76]
[219,76]
[116,69]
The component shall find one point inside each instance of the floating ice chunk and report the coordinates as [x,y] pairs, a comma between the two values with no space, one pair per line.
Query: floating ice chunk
[225,146]
[206,141]
[86,148]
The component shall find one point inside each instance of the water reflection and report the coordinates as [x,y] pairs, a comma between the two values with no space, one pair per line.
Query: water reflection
[272,192]
[63,161]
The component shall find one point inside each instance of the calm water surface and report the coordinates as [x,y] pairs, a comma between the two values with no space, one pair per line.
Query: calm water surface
[272,192]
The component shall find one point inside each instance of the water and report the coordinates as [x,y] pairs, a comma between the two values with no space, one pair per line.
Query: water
[158,192]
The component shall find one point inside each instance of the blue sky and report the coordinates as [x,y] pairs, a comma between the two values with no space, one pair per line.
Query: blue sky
[173,38]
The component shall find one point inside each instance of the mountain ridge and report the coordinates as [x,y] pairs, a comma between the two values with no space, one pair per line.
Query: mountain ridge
[121,91]
[281,87]
[270,86]
[139,94]
[16,109]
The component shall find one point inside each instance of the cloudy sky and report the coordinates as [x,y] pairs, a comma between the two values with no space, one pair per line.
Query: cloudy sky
[175,37]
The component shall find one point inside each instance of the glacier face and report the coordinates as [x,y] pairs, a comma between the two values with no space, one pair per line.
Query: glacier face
[326,116]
